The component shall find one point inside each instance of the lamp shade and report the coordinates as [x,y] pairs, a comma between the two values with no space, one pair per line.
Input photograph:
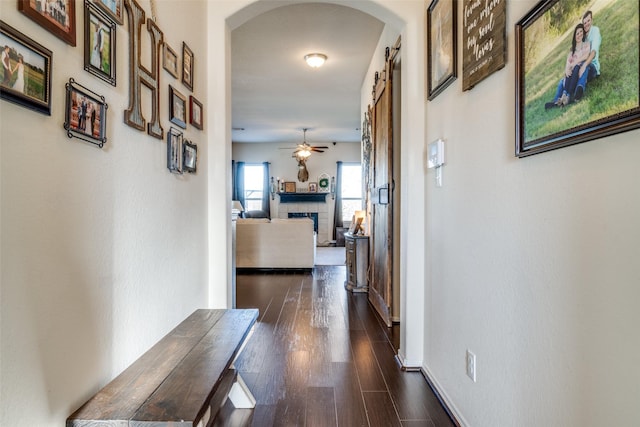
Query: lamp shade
[237,206]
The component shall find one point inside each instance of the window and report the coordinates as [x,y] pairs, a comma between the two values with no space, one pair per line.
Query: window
[351,190]
[253,185]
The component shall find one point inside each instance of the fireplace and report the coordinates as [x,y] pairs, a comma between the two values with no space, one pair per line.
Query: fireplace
[302,207]
[312,215]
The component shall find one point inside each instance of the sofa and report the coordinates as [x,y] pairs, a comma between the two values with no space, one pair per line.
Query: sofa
[276,243]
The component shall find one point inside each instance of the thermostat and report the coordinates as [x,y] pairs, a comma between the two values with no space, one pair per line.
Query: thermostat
[435,154]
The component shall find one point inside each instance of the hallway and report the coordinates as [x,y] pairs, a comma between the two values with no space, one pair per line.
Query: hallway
[319,357]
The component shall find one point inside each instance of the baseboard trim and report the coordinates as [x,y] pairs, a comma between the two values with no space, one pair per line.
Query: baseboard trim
[267,270]
[445,401]
[406,366]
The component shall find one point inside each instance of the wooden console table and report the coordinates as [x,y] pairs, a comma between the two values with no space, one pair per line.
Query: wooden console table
[182,380]
[357,260]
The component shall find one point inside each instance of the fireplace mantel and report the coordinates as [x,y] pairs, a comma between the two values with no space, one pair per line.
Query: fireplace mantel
[302,197]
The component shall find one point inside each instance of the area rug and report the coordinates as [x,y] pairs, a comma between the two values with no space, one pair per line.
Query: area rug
[330,255]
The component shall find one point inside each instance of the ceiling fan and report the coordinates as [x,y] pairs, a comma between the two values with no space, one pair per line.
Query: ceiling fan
[304,150]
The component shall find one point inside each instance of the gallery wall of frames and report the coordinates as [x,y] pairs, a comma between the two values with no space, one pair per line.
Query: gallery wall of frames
[27,71]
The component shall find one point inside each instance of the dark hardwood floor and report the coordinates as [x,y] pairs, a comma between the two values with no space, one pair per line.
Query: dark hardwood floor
[319,356]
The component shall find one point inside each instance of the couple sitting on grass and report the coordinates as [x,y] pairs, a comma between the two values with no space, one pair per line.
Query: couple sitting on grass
[582,64]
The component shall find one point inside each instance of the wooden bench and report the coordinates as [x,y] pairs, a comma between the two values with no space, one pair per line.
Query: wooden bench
[181,381]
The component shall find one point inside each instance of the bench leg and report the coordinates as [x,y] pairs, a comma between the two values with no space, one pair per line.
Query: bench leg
[240,395]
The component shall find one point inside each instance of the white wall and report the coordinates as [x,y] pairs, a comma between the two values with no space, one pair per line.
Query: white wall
[532,264]
[103,251]
[285,167]
[411,239]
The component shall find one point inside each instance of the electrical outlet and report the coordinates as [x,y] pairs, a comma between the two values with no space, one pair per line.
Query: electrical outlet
[471,365]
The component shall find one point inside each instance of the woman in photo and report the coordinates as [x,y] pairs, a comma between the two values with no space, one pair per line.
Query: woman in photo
[18,85]
[580,49]
[98,46]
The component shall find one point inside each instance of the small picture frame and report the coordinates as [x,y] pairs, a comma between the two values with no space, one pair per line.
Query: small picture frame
[85,114]
[26,71]
[59,20]
[99,44]
[289,187]
[190,157]
[356,225]
[313,187]
[177,108]
[174,151]
[353,225]
[441,46]
[170,60]
[113,8]
[187,66]
[195,113]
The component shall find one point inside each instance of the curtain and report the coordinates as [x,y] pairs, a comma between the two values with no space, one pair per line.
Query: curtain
[266,188]
[238,183]
[337,212]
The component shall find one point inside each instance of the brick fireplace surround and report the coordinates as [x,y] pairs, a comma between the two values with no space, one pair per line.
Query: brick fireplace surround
[321,208]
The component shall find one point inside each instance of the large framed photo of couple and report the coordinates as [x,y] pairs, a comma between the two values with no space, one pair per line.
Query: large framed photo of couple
[577,73]
[441,45]
[26,71]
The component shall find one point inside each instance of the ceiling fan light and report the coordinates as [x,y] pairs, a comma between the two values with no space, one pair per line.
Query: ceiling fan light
[304,153]
[315,60]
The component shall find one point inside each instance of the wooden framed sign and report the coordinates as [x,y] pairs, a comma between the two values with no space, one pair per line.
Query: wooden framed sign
[484,41]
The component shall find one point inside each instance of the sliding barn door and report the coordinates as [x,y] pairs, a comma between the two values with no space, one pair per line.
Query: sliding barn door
[380,286]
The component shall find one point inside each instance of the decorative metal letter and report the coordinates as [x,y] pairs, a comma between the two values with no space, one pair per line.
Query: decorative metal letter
[139,74]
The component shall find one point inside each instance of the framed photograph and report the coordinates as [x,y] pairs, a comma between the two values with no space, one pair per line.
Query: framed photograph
[441,46]
[99,44]
[568,90]
[174,150]
[356,224]
[170,60]
[190,157]
[313,187]
[289,187]
[85,114]
[177,108]
[187,66]
[57,17]
[26,71]
[195,113]
[484,43]
[113,8]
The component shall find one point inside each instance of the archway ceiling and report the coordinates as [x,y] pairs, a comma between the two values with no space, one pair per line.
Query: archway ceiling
[275,94]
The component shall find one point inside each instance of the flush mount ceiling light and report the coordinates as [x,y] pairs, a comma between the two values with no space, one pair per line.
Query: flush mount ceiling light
[315,60]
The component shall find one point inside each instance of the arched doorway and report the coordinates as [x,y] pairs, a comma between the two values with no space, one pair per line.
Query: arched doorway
[408,19]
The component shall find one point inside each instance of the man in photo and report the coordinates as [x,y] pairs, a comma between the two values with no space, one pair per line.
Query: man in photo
[6,67]
[590,69]
[82,111]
